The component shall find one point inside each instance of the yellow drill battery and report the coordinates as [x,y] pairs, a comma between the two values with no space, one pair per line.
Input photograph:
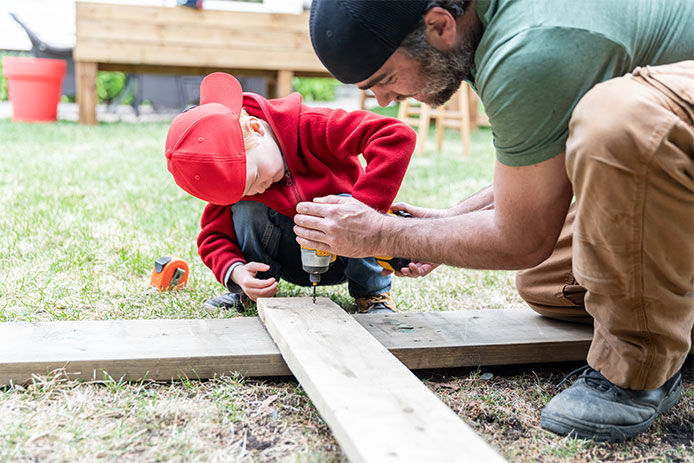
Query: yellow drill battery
[394,263]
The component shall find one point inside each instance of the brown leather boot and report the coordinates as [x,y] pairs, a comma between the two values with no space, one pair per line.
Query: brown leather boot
[376,303]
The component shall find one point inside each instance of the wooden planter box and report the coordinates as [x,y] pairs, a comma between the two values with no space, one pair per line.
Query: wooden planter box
[178,40]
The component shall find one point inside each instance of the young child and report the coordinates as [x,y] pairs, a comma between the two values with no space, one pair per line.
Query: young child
[254,159]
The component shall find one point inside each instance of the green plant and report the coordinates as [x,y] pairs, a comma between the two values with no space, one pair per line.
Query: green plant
[3,86]
[3,80]
[316,88]
[109,85]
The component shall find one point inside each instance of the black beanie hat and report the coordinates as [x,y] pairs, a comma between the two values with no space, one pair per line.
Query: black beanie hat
[353,38]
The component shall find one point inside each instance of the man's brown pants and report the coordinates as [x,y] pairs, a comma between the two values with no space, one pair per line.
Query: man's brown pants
[625,258]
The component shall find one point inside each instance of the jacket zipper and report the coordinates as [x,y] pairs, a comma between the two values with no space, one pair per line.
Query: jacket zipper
[289,181]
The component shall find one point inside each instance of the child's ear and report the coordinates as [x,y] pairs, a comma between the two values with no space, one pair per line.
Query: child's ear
[253,125]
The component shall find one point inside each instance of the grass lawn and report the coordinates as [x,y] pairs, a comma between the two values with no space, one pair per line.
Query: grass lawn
[85,211]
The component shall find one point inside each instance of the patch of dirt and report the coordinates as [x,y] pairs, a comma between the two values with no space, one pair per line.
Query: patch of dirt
[258,421]
[258,444]
[679,433]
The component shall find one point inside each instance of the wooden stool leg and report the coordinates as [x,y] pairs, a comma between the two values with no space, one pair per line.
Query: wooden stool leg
[423,130]
[472,103]
[440,127]
[403,107]
[463,109]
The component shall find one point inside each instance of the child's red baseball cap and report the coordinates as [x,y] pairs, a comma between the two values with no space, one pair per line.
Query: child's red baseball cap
[204,147]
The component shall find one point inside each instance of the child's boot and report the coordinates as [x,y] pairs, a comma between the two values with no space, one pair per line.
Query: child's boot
[229,301]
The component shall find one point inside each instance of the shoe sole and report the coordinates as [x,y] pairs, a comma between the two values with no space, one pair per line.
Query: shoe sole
[610,433]
[216,309]
[380,311]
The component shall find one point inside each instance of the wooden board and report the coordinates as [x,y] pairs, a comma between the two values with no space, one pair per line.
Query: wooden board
[478,337]
[183,17]
[153,349]
[177,55]
[376,408]
[166,349]
[166,36]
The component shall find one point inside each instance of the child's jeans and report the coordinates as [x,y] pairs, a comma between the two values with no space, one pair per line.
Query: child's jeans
[267,236]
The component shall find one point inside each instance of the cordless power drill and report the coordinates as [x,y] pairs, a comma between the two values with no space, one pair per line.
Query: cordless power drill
[315,263]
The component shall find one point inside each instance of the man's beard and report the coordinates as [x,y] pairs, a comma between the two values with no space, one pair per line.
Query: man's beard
[442,72]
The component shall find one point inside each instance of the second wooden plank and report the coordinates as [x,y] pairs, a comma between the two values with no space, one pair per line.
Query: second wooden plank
[166,349]
[376,408]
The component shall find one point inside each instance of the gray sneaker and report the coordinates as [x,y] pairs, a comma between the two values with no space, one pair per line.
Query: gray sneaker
[594,408]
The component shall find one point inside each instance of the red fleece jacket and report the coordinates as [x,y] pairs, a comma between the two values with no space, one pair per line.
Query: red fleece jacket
[321,148]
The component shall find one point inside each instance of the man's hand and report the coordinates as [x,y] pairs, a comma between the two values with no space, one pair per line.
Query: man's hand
[340,225]
[244,276]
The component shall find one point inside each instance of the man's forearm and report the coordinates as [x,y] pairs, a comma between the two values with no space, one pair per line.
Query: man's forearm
[471,234]
[512,226]
[467,240]
[456,240]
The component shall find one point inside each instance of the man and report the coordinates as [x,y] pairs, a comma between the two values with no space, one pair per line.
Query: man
[565,125]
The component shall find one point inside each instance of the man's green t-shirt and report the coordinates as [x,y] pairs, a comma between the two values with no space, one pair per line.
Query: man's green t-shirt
[537,58]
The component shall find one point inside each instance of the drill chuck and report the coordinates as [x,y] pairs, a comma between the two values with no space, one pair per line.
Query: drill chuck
[315,263]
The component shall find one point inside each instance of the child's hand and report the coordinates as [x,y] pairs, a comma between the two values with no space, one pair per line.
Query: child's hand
[415,269]
[419,211]
[244,276]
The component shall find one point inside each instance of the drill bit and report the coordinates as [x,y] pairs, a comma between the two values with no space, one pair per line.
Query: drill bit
[314,278]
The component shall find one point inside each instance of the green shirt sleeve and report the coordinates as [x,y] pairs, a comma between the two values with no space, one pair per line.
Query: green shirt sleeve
[532,82]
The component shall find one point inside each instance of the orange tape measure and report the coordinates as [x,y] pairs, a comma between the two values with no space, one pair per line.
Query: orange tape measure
[170,272]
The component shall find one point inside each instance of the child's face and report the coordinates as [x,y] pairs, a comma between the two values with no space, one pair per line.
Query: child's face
[264,163]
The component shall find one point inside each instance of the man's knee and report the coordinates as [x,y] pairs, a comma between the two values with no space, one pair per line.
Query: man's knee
[532,287]
[552,298]
[525,285]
